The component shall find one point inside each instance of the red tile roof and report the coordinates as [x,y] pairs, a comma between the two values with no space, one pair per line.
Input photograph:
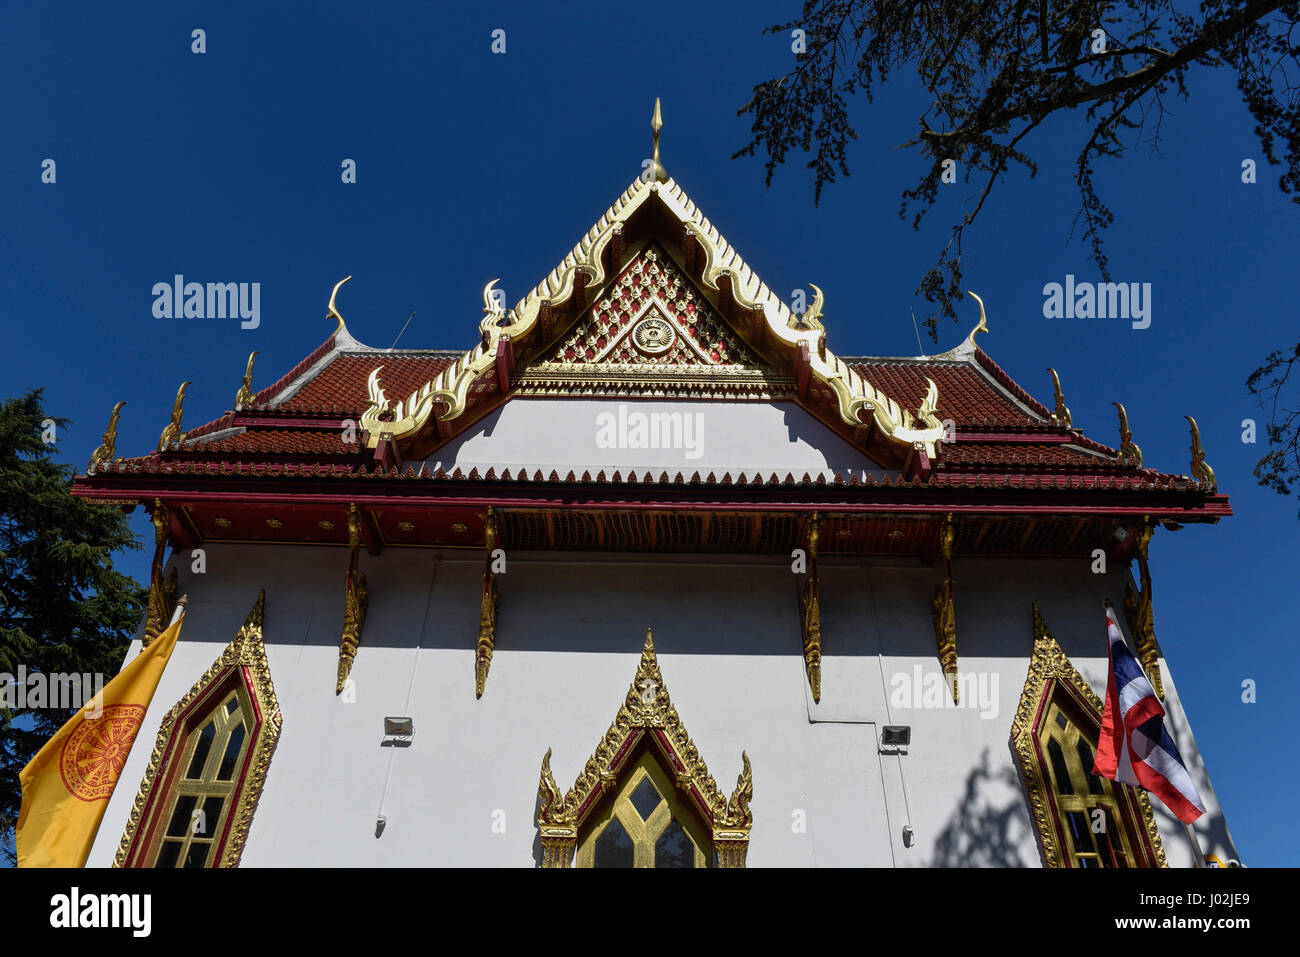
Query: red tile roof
[1004,437]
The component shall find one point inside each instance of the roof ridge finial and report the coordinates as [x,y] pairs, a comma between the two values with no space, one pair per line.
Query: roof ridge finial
[332,312]
[655,172]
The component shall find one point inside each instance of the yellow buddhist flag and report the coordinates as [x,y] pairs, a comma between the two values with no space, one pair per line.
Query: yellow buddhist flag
[67,785]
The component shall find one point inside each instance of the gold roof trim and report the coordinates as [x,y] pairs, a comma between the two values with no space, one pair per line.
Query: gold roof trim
[854,393]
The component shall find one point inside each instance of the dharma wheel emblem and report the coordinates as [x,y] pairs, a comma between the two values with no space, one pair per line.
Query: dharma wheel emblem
[653,336]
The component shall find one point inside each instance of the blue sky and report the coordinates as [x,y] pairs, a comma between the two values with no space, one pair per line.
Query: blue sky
[226,167]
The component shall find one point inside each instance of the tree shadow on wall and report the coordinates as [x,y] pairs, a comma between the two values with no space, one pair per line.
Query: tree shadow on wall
[991,826]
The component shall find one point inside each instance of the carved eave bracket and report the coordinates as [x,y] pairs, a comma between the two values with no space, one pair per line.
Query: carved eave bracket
[810,612]
[944,608]
[162,592]
[487,617]
[355,602]
[647,712]
[1138,610]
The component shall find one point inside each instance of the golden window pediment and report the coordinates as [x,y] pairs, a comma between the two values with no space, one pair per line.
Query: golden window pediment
[645,754]
[209,763]
[1082,819]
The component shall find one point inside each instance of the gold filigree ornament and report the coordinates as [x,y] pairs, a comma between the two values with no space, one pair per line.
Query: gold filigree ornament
[162,592]
[246,654]
[648,717]
[355,601]
[1201,470]
[108,445]
[1139,613]
[944,609]
[446,397]
[1051,673]
[172,432]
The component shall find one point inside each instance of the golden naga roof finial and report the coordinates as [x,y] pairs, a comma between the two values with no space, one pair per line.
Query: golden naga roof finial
[1129,451]
[1200,470]
[1062,414]
[492,312]
[172,433]
[333,313]
[244,397]
[982,325]
[656,171]
[109,444]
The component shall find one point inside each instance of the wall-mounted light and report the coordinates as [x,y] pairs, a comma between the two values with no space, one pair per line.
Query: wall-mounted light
[399,727]
[895,736]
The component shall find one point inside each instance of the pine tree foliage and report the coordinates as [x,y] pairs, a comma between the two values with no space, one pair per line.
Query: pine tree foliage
[63,608]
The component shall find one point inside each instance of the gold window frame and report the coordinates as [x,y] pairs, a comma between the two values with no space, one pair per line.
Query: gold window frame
[1053,679]
[242,668]
[646,721]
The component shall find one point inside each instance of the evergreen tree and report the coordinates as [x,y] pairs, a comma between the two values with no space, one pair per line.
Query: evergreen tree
[63,608]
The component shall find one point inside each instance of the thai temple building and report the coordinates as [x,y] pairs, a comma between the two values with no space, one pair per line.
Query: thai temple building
[649,576]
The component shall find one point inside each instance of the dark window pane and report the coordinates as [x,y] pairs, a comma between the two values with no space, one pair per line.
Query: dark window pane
[197,855]
[613,847]
[180,822]
[1118,858]
[1085,756]
[674,848]
[1081,829]
[206,825]
[201,751]
[1088,862]
[170,853]
[1060,719]
[232,753]
[231,705]
[1058,768]
[645,799]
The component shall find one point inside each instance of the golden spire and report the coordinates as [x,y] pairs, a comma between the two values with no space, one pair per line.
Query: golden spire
[334,313]
[172,433]
[244,397]
[656,171]
[109,444]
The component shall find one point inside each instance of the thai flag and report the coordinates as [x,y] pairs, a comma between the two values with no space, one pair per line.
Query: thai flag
[1135,748]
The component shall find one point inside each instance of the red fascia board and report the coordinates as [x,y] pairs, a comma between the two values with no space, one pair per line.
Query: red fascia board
[872,499]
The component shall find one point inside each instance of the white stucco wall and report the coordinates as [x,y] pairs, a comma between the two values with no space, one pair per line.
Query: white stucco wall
[569,639]
[570,434]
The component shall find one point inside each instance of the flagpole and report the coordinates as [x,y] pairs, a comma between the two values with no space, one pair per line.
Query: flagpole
[180,609]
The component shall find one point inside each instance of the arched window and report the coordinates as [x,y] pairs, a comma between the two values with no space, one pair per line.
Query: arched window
[209,763]
[1083,820]
[645,798]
